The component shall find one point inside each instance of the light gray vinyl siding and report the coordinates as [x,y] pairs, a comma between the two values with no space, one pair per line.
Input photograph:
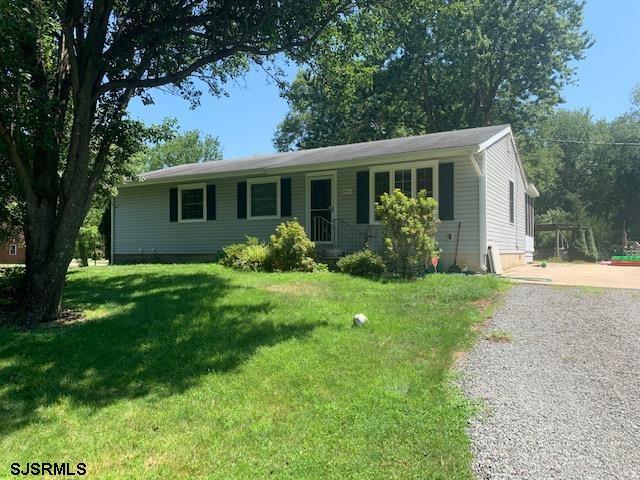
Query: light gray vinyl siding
[466,210]
[142,220]
[142,226]
[502,167]
[466,196]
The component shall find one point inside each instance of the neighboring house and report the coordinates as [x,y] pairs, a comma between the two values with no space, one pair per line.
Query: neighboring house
[12,251]
[189,212]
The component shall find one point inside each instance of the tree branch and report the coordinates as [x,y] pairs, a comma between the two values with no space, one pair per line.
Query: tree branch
[213,57]
[23,171]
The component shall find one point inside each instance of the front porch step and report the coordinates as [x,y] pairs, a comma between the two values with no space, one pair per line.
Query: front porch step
[328,254]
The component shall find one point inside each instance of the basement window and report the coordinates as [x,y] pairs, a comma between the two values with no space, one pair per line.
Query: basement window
[13,249]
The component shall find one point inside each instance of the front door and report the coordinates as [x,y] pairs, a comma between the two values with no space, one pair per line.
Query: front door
[321,209]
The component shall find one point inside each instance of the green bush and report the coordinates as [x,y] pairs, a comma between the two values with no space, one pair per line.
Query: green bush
[13,286]
[230,254]
[87,244]
[364,263]
[578,249]
[591,245]
[252,257]
[290,249]
[409,226]
[321,267]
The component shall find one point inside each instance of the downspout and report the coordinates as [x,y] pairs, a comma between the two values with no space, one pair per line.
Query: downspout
[482,210]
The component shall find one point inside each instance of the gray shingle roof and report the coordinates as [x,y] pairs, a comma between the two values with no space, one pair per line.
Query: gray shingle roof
[454,139]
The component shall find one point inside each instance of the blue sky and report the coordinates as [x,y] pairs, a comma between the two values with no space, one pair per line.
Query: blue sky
[246,120]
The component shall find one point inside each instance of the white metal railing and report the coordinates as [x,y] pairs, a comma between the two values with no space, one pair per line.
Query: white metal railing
[322,230]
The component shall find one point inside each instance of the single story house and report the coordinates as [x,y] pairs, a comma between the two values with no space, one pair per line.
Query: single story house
[189,212]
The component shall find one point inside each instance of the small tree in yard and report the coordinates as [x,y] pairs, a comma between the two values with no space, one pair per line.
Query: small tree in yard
[409,226]
[578,249]
[591,245]
[88,240]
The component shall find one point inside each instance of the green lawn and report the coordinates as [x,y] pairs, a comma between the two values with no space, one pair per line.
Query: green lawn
[198,371]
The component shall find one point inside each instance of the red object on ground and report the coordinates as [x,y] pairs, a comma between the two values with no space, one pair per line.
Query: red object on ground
[626,263]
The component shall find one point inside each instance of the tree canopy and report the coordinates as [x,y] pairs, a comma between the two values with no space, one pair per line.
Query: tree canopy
[418,66]
[177,149]
[69,69]
[588,171]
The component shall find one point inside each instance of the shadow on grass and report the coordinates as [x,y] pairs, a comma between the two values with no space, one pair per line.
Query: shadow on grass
[166,331]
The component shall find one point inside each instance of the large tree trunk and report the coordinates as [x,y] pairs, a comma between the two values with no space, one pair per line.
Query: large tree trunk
[46,282]
[50,245]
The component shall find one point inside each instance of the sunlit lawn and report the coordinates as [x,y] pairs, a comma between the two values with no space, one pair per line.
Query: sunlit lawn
[198,371]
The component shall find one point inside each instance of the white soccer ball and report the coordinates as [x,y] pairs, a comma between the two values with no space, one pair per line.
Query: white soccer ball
[359,320]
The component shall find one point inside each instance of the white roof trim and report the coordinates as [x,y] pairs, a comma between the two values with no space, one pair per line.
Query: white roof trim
[490,141]
[531,189]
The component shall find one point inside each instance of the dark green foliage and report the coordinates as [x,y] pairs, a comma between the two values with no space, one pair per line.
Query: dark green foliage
[590,170]
[407,67]
[365,263]
[13,285]
[578,249]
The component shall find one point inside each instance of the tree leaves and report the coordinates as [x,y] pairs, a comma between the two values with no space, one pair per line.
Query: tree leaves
[417,66]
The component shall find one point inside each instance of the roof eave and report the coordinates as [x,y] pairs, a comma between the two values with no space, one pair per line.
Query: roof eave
[373,160]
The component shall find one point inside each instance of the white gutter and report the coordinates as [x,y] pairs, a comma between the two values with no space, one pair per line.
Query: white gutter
[482,212]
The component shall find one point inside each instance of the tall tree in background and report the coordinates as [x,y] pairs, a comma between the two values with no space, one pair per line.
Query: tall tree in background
[68,71]
[178,149]
[588,171]
[418,66]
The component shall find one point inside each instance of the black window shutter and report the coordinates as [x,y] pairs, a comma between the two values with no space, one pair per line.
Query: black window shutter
[445,190]
[362,200]
[242,199]
[285,197]
[211,202]
[173,204]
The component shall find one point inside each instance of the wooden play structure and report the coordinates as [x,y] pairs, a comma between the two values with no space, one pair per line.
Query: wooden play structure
[561,249]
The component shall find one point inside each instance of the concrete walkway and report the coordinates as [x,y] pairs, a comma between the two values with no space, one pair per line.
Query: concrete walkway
[577,274]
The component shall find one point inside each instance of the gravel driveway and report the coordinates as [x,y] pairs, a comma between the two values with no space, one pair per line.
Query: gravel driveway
[561,398]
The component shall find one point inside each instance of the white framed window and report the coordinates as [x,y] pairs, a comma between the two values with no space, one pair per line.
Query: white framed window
[192,203]
[263,198]
[409,178]
[13,249]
